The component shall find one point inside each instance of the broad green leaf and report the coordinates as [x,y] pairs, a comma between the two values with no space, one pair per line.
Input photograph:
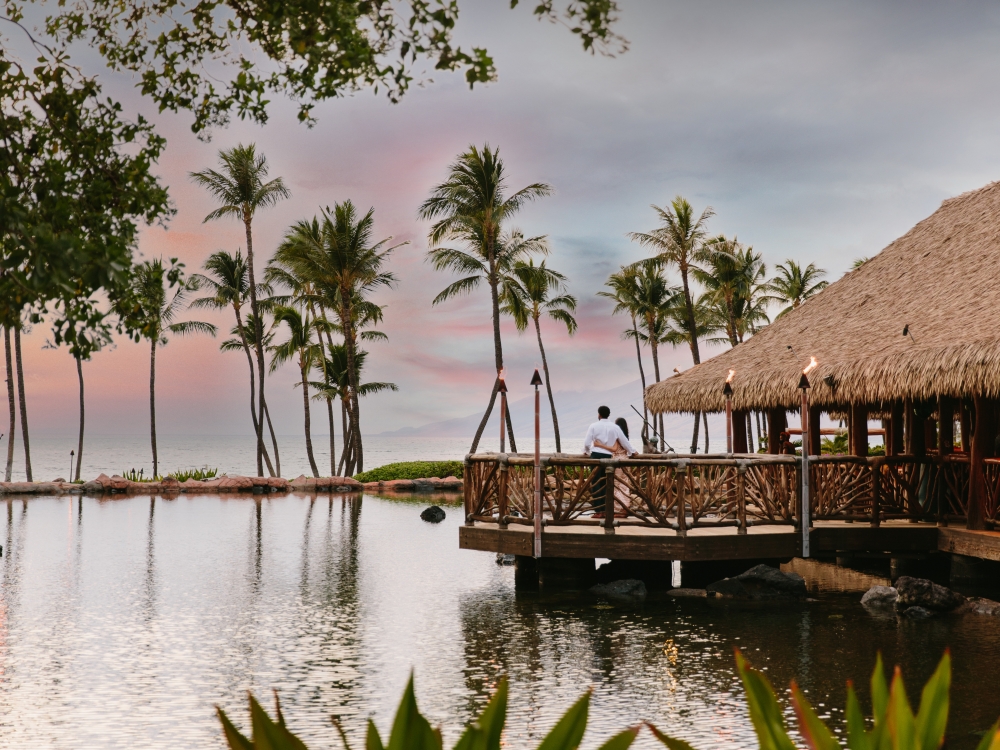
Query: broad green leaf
[764,710]
[813,731]
[880,691]
[410,730]
[372,739]
[621,741]
[670,742]
[236,740]
[858,737]
[485,732]
[568,731]
[991,740]
[932,718]
[899,717]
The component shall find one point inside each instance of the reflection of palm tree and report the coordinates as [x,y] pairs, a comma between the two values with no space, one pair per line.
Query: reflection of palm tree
[154,315]
[471,206]
[241,189]
[794,284]
[301,346]
[229,287]
[526,290]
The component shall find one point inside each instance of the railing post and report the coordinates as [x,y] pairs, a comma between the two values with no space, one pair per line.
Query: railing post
[805,504]
[538,503]
[876,469]
[741,497]
[502,504]
[609,495]
[680,475]
[467,480]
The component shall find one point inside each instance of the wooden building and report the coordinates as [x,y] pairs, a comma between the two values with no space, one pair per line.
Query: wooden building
[911,337]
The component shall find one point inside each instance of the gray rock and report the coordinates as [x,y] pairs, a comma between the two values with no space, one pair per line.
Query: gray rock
[761,582]
[919,592]
[433,514]
[979,606]
[58,479]
[95,487]
[629,589]
[916,613]
[880,596]
[503,559]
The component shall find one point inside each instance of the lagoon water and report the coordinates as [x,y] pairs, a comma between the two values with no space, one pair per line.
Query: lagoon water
[124,621]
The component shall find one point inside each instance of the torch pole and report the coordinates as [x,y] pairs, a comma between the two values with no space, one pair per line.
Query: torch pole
[729,425]
[503,417]
[805,470]
[538,476]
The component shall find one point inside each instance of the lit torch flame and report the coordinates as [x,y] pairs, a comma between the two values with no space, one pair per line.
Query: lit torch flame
[810,367]
[729,378]
[502,374]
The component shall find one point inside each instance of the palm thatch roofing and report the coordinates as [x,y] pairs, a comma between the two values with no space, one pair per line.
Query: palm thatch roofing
[940,281]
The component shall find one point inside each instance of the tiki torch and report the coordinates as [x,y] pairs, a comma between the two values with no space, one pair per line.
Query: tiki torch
[804,387]
[503,406]
[536,380]
[727,391]
[71,455]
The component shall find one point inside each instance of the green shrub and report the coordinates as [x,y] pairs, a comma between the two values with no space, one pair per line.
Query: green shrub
[894,727]
[182,475]
[412,470]
[136,476]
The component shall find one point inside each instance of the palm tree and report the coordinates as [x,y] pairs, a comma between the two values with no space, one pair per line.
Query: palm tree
[301,346]
[229,287]
[344,265]
[241,189]
[526,291]
[653,298]
[794,284]
[471,207]
[153,318]
[733,277]
[624,293]
[674,331]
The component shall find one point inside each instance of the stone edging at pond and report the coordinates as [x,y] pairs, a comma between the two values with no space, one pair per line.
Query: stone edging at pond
[117,484]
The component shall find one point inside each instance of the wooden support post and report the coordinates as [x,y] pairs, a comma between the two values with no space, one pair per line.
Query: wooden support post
[876,469]
[965,419]
[908,426]
[776,423]
[502,505]
[467,488]
[983,440]
[859,429]
[740,432]
[741,498]
[680,492]
[815,441]
[946,425]
[895,446]
[918,439]
[609,499]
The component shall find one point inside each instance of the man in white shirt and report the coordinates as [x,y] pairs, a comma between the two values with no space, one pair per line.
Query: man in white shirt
[607,433]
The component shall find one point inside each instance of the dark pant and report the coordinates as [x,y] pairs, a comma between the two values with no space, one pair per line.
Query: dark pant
[598,489]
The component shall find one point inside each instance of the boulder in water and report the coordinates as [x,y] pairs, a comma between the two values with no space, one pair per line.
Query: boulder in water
[880,596]
[919,592]
[433,514]
[504,559]
[760,583]
[629,589]
[916,613]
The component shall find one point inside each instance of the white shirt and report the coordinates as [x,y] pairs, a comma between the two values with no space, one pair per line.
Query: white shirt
[607,432]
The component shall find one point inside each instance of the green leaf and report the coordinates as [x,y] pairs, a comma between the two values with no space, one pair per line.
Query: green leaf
[410,730]
[485,732]
[814,731]
[991,740]
[568,731]
[621,741]
[765,713]
[670,742]
[236,740]
[880,692]
[372,739]
[932,718]
[268,735]
[858,737]
[899,716]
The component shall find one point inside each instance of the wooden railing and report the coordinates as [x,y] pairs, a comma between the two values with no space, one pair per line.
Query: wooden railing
[685,492]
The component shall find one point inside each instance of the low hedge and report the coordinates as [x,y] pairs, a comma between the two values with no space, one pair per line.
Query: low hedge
[412,470]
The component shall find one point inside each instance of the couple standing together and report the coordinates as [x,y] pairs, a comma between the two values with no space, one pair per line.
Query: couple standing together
[605,439]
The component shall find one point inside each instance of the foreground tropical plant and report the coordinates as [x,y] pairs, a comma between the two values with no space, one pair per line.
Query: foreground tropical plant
[894,725]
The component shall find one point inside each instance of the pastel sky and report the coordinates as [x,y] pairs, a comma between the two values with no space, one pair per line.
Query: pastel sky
[817,131]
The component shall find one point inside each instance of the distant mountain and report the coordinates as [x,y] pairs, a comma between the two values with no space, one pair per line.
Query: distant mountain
[576,410]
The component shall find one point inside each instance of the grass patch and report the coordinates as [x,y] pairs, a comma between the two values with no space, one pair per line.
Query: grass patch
[137,476]
[182,475]
[412,470]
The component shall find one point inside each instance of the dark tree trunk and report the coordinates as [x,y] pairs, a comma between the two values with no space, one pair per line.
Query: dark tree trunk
[704,416]
[486,417]
[741,421]
[815,437]
[333,439]
[258,340]
[694,434]
[776,423]
[642,378]
[274,440]
[305,406]
[152,402]
[11,404]
[355,463]
[859,430]
[548,385]
[253,396]
[347,437]
[946,428]
[79,446]
[22,403]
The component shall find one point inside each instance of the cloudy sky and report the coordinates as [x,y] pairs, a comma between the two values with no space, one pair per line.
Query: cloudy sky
[817,131]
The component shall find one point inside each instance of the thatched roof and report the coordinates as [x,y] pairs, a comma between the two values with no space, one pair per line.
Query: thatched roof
[941,279]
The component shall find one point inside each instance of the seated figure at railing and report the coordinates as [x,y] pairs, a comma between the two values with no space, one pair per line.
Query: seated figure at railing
[606,434]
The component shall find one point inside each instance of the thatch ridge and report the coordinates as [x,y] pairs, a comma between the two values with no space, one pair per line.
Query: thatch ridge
[941,280]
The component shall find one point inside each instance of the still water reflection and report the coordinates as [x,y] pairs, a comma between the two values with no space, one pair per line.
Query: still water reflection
[122,622]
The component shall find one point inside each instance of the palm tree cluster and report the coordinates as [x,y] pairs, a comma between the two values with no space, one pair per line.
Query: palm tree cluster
[732,304]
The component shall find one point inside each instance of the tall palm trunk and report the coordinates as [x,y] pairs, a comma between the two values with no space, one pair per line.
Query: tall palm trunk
[253,396]
[11,404]
[347,437]
[79,446]
[258,341]
[548,385]
[305,405]
[333,441]
[642,378]
[22,402]
[274,440]
[704,416]
[497,354]
[355,463]
[653,345]
[152,402]
[693,341]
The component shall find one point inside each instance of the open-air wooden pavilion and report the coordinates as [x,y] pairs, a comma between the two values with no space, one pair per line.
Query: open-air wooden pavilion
[912,338]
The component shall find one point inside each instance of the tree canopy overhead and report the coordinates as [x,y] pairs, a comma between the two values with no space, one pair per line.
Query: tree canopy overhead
[217,57]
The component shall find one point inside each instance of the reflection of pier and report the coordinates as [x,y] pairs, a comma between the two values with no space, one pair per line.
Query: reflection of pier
[724,507]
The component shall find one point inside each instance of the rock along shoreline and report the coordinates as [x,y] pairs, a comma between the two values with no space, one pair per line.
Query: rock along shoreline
[105,485]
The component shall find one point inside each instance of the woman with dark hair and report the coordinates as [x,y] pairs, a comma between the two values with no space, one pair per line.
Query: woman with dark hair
[623,498]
